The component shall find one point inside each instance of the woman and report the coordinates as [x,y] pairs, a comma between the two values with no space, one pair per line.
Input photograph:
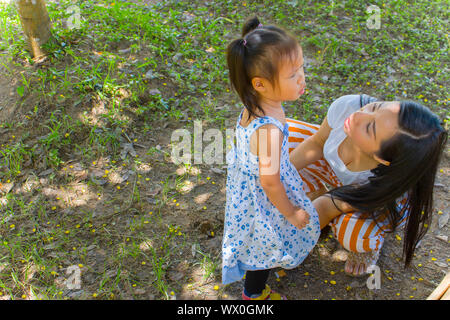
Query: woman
[381,157]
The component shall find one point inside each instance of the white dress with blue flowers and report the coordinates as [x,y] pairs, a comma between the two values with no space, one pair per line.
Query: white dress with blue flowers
[256,235]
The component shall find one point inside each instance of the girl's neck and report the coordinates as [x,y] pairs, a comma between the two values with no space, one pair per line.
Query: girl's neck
[270,106]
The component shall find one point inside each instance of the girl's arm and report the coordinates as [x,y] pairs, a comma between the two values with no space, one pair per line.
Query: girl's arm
[311,149]
[268,144]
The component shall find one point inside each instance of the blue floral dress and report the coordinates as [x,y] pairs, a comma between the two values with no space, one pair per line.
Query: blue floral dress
[256,235]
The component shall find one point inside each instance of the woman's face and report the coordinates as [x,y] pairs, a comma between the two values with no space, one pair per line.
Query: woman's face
[373,124]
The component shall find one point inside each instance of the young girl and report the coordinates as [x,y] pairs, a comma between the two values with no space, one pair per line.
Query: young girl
[269,221]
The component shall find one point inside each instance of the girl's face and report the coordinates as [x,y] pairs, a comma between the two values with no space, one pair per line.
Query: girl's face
[291,81]
[373,124]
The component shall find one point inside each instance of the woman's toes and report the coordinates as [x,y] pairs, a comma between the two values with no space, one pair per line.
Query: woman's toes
[362,269]
[350,267]
[356,269]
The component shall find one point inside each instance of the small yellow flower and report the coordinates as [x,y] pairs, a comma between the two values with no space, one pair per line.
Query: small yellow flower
[306,273]
[94,295]
[333,282]
[118,187]
[216,287]
[332,273]
[80,265]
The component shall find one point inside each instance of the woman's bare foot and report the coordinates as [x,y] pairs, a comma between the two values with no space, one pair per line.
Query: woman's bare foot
[357,263]
[355,268]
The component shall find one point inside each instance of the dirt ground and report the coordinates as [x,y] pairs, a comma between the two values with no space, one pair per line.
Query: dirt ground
[201,212]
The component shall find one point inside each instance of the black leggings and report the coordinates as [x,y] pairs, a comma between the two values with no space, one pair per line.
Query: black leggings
[255,281]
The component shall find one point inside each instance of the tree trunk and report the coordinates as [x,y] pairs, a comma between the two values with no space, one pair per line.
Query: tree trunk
[35,23]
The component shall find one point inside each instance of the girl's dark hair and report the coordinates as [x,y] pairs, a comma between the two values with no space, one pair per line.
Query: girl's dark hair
[257,54]
[414,153]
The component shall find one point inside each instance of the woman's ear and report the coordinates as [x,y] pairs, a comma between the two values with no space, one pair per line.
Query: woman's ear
[384,162]
[259,84]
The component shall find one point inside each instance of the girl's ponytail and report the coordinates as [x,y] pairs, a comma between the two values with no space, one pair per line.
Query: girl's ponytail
[240,78]
[257,54]
[250,25]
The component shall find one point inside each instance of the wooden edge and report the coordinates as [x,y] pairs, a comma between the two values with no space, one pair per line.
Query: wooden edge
[442,290]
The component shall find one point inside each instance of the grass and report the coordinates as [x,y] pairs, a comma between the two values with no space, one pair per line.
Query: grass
[130,74]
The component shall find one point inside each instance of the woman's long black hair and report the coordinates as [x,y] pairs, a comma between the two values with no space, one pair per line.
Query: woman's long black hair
[414,153]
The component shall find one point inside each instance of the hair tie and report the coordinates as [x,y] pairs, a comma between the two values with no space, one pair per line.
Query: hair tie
[245,42]
[260,25]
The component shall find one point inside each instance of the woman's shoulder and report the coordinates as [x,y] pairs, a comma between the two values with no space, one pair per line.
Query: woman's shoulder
[343,106]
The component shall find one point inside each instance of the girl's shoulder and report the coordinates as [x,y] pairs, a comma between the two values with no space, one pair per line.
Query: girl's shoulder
[253,123]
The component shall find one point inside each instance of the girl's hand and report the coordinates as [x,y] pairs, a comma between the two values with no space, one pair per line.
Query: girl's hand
[299,219]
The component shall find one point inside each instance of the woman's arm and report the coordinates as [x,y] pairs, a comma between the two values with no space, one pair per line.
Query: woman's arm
[311,149]
[328,210]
